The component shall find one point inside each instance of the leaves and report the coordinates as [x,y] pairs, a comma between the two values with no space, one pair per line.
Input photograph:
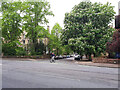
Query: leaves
[11,21]
[86,27]
[35,17]
[25,16]
[55,41]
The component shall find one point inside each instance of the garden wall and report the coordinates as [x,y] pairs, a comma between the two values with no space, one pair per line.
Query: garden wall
[106,60]
[33,57]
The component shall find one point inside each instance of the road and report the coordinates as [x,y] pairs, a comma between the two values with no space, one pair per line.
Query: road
[62,74]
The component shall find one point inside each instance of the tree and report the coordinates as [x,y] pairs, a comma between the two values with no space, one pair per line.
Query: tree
[24,16]
[11,21]
[113,45]
[11,30]
[34,18]
[87,26]
[55,41]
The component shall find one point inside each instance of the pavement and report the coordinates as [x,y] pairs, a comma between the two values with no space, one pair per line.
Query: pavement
[83,62]
[90,63]
[98,64]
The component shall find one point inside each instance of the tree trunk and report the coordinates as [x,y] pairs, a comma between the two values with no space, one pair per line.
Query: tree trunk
[90,59]
[57,51]
[81,57]
[49,51]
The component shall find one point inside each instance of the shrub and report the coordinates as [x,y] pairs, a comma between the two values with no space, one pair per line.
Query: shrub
[20,51]
[9,49]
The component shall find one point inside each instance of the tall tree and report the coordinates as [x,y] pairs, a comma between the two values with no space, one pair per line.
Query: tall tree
[11,30]
[35,17]
[11,20]
[86,27]
[55,41]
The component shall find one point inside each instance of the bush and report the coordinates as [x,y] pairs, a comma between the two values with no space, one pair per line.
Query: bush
[39,48]
[20,51]
[9,49]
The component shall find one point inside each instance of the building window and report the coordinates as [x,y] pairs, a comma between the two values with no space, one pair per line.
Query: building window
[28,41]
[24,36]
[23,41]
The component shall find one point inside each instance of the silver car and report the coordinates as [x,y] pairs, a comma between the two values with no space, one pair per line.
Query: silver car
[77,57]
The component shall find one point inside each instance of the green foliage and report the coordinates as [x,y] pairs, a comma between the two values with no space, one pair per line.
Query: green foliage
[12,49]
[11,20]
[11,30]
[24,16]
[20,51]
[35,16]
[40,48]
[9,49]
[86,27]
[66,49]
[55,41]
[56,30]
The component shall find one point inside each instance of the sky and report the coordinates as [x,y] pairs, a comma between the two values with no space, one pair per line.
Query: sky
[60,7]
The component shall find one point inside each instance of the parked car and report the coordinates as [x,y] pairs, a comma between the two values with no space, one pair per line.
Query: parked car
[77,57]
[68,56]
[58,57]
[72,55]
[64,56]
[117,55]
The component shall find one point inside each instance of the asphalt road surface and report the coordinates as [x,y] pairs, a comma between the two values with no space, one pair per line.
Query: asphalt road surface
[62,74]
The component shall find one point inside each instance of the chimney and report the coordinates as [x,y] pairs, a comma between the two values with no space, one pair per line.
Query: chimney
[48,28]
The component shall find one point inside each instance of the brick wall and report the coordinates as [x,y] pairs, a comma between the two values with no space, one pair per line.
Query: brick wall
[106,60]
[33,57]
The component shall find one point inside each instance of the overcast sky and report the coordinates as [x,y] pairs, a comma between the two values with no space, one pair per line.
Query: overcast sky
[60,7]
